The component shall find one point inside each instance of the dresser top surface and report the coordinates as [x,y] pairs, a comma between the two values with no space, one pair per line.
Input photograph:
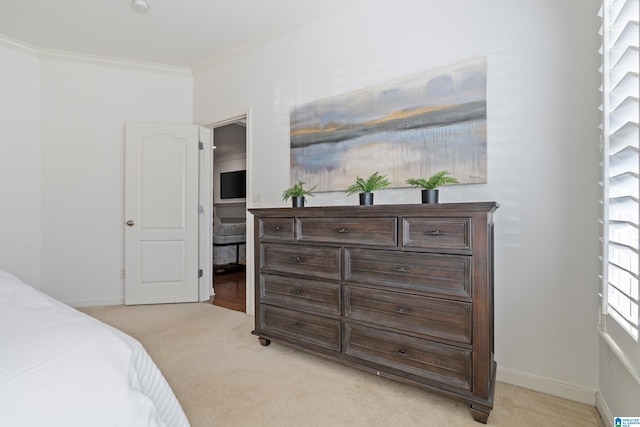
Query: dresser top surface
[378,210]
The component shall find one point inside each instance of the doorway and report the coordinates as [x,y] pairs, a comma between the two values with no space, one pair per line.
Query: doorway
[229,213]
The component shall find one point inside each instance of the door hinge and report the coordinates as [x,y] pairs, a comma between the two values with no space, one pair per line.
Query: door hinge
[200,209]
[200,145]
[200,273]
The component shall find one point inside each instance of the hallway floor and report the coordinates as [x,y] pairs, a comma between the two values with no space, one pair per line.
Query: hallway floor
[230,289]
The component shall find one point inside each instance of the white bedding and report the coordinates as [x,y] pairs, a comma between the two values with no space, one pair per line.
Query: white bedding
[60,367]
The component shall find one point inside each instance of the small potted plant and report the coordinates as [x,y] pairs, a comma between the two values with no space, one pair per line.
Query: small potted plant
[430,186]
[366,187]
[297,194]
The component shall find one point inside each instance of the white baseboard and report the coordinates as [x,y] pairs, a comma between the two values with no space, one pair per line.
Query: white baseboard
[605,412]
[548,386]
[94,302]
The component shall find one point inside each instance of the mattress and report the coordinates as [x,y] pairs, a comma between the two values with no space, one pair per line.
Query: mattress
[230,229]
[60,367]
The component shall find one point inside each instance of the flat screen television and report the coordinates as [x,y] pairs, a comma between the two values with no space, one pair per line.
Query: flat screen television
[233,185]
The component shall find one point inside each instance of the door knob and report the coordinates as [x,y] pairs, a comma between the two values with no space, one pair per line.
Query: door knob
[130,223]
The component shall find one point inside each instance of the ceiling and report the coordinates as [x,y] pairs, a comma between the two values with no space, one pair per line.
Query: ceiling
[228,142]
[171,32]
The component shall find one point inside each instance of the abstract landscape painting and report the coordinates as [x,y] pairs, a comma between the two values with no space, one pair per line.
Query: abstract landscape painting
[411,128]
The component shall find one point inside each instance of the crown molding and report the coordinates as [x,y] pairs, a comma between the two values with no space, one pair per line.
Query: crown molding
[18,45]
[84,58]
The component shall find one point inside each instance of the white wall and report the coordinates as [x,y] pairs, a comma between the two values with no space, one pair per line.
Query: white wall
[85,105]
[542,141]
[20,162]
[619,393]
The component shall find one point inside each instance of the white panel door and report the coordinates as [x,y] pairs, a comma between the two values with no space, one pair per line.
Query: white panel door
[161,213]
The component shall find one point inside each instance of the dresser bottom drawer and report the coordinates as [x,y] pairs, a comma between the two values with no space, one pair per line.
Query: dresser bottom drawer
[409,356]
[300,327]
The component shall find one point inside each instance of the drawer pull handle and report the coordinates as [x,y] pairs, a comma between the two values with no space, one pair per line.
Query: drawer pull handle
[298,324]
[402,352]
[277,228]
[297,292]
[296,259]
[402,309]
[401,270]
[343,230]
[435,233]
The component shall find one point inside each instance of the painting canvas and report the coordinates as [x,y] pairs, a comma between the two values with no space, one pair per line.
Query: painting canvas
[411,128]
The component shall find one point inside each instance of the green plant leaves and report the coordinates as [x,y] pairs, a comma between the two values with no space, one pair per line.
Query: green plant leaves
[297,190]
[434,181]
[374,182]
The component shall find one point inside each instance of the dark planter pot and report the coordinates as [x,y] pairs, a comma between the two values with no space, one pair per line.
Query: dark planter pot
[298,201]
[366,199]
[430,196]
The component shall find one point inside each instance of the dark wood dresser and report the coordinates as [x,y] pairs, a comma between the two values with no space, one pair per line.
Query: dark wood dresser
[402,291]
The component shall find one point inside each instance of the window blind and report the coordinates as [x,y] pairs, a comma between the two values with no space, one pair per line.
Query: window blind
[621,188]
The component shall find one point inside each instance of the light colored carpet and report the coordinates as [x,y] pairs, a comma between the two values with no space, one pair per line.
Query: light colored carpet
[222,376]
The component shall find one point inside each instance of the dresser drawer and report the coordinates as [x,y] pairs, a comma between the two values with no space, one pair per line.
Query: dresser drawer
[315,261]
[433,273]
[423,315]
[275,229]
[437,233]
[381,231]
[300,293]
[301,327]
[409,356]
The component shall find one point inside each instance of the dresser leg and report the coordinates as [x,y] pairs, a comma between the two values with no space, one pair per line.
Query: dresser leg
[265,342]
[480,415]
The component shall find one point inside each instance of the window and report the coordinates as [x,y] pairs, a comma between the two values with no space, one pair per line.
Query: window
[621,188]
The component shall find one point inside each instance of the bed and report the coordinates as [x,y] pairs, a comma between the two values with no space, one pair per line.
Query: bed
[60,367]
[229,242]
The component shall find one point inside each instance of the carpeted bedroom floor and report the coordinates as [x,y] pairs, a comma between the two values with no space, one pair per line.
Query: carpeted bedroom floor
[222,376]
